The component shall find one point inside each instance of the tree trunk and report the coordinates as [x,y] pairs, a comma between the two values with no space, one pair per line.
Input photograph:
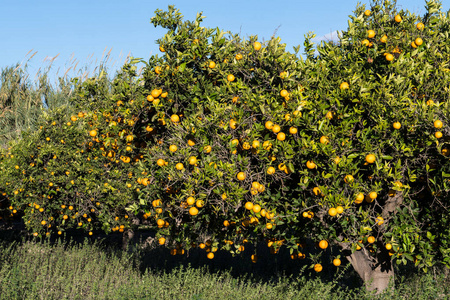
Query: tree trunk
[375,274]
[127,236]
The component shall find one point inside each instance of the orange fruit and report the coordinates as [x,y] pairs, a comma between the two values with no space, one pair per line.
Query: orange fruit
[293,130]
[323,244]
[173,148]
[175,118]
[212,65]
[276,128]
[389,57]
[316,191]
[256,208]
[199,203]
[332,212]
[371,239]
[210,255]
[370,34]
[373,195]
[93,133]
[438,124]
[397,125]
[269,125]
[318,267]
[193,211]
[233,124]
[383,39]
[161,49]
[190,201]
[281,136]
[310,164]
[284,93]
[179,166]
[324,140]
[388,246]
[336,262]
[249,205]
[238,57]
[207,149]
[270,170]
[413,44]
[344,86]
[339,209]
[349,178]
[379,220]
[398,18]
[370,158]
[230,77]
[192,160]
[257,46]
[418,41]
[329,115]
[161,241]
[254,258]
[241,176]
[420,26]
[160,162]
[367,13]
[438,134]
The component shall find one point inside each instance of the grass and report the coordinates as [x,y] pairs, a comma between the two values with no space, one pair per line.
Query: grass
[32,270]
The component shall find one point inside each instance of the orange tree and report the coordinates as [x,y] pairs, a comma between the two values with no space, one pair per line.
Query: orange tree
[224,141]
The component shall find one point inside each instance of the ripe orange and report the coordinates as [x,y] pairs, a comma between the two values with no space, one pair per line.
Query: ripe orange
[193,211]
[257,46]
[241,176]
[383,39]
[398,18]
[212,65]
[207,149]
[336,262]
[413,44]
[284,93]
[389,57]
[249,205]
[155,93]
[281,136]
[179,166]
[254,258]
[160,162]
[438,124]
[344,86]
[269,125]
[348,178]
[373,195]
[233,124]
[93,133]
[318,267]
[323,244]
[293,130]
[367,13]
[370,34]
[332,212]
[199,203]
[371,239]
[238,57]
[310,164]
[418,41]
[175,118]
[173,148]
[380,220]
[210,255]
[420,26]
[256,208]
[190,201]
[316,191]
[276,128]
[329,115]
[324,140]
[397,125]
[230,77]
[161,49]
[339,209]
[438,134]
[161,241]
[370,158]
[270,170]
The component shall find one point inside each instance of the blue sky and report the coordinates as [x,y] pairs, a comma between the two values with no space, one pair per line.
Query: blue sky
[84,31]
